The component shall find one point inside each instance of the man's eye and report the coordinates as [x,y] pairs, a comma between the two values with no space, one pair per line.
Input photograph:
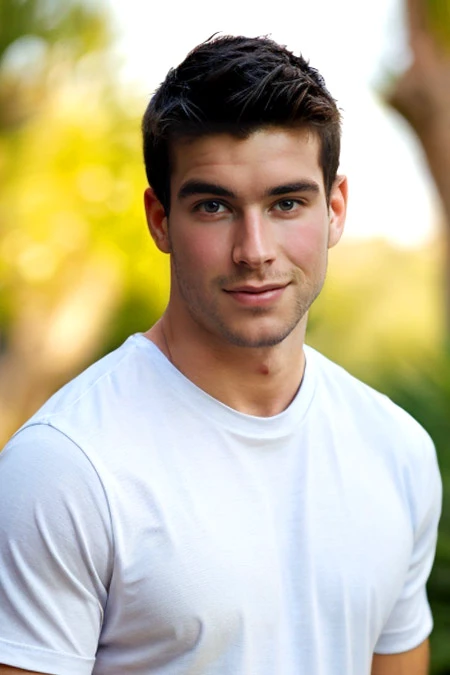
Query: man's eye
[211,206]
[287,204]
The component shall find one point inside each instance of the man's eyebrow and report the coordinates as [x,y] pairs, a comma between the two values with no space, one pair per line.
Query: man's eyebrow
[301,186]
[199,187]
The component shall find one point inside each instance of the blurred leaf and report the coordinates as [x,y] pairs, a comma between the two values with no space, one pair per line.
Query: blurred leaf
[438,16]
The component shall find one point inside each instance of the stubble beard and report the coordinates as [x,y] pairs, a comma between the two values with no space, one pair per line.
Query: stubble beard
[206,313]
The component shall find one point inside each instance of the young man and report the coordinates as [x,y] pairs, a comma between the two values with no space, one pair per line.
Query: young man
[214,497]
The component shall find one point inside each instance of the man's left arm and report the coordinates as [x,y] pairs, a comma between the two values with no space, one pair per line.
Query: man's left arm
[413,662]
[410,621]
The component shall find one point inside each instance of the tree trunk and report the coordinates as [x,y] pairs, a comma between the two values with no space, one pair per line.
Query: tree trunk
[422,96]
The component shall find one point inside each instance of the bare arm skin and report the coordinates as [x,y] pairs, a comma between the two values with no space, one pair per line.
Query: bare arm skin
[413,662]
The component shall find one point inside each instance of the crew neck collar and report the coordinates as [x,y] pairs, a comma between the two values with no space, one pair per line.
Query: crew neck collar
[192,395]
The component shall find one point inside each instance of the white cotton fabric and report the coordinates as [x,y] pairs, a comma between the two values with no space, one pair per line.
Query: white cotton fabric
[145,527]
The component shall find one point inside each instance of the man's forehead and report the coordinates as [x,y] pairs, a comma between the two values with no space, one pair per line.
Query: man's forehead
[302,131]
[215,151]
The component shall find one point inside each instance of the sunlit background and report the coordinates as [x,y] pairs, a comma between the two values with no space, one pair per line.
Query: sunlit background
[78,271]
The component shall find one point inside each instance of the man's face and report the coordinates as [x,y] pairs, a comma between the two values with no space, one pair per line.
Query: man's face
[248,232]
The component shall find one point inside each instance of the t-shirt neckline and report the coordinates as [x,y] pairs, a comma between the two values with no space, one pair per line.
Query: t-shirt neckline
[277,425]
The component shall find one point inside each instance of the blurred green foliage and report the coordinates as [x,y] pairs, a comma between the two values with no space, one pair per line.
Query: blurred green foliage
[438,19]
[39,40]
[76,262]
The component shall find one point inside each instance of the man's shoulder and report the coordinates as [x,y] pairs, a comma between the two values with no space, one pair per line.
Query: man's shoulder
[334,378]
[102,392]
[349,397]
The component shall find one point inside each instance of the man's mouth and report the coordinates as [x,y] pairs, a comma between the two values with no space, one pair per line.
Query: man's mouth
[256,294]
[250,288]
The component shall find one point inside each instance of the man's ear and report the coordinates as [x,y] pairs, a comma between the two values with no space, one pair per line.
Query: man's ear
[337,210]
[156,220]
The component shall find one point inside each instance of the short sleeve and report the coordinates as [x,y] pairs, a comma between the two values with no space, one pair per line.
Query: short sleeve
[410,621]
[55,554]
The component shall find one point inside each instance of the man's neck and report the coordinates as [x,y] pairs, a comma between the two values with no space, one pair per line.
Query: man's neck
[260,382]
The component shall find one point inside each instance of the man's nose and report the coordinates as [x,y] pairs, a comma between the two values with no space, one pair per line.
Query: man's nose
[254,243]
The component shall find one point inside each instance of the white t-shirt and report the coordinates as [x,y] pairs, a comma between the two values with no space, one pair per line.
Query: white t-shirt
[147,528]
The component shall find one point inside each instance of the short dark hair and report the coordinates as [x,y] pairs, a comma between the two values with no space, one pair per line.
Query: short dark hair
[237,85]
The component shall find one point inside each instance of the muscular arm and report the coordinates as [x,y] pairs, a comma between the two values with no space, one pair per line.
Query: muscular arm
[413,662]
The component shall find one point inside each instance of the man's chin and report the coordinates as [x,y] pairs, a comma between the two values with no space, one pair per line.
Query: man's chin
[257,340]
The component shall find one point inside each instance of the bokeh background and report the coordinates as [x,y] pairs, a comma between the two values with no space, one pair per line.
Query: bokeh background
[78,272]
